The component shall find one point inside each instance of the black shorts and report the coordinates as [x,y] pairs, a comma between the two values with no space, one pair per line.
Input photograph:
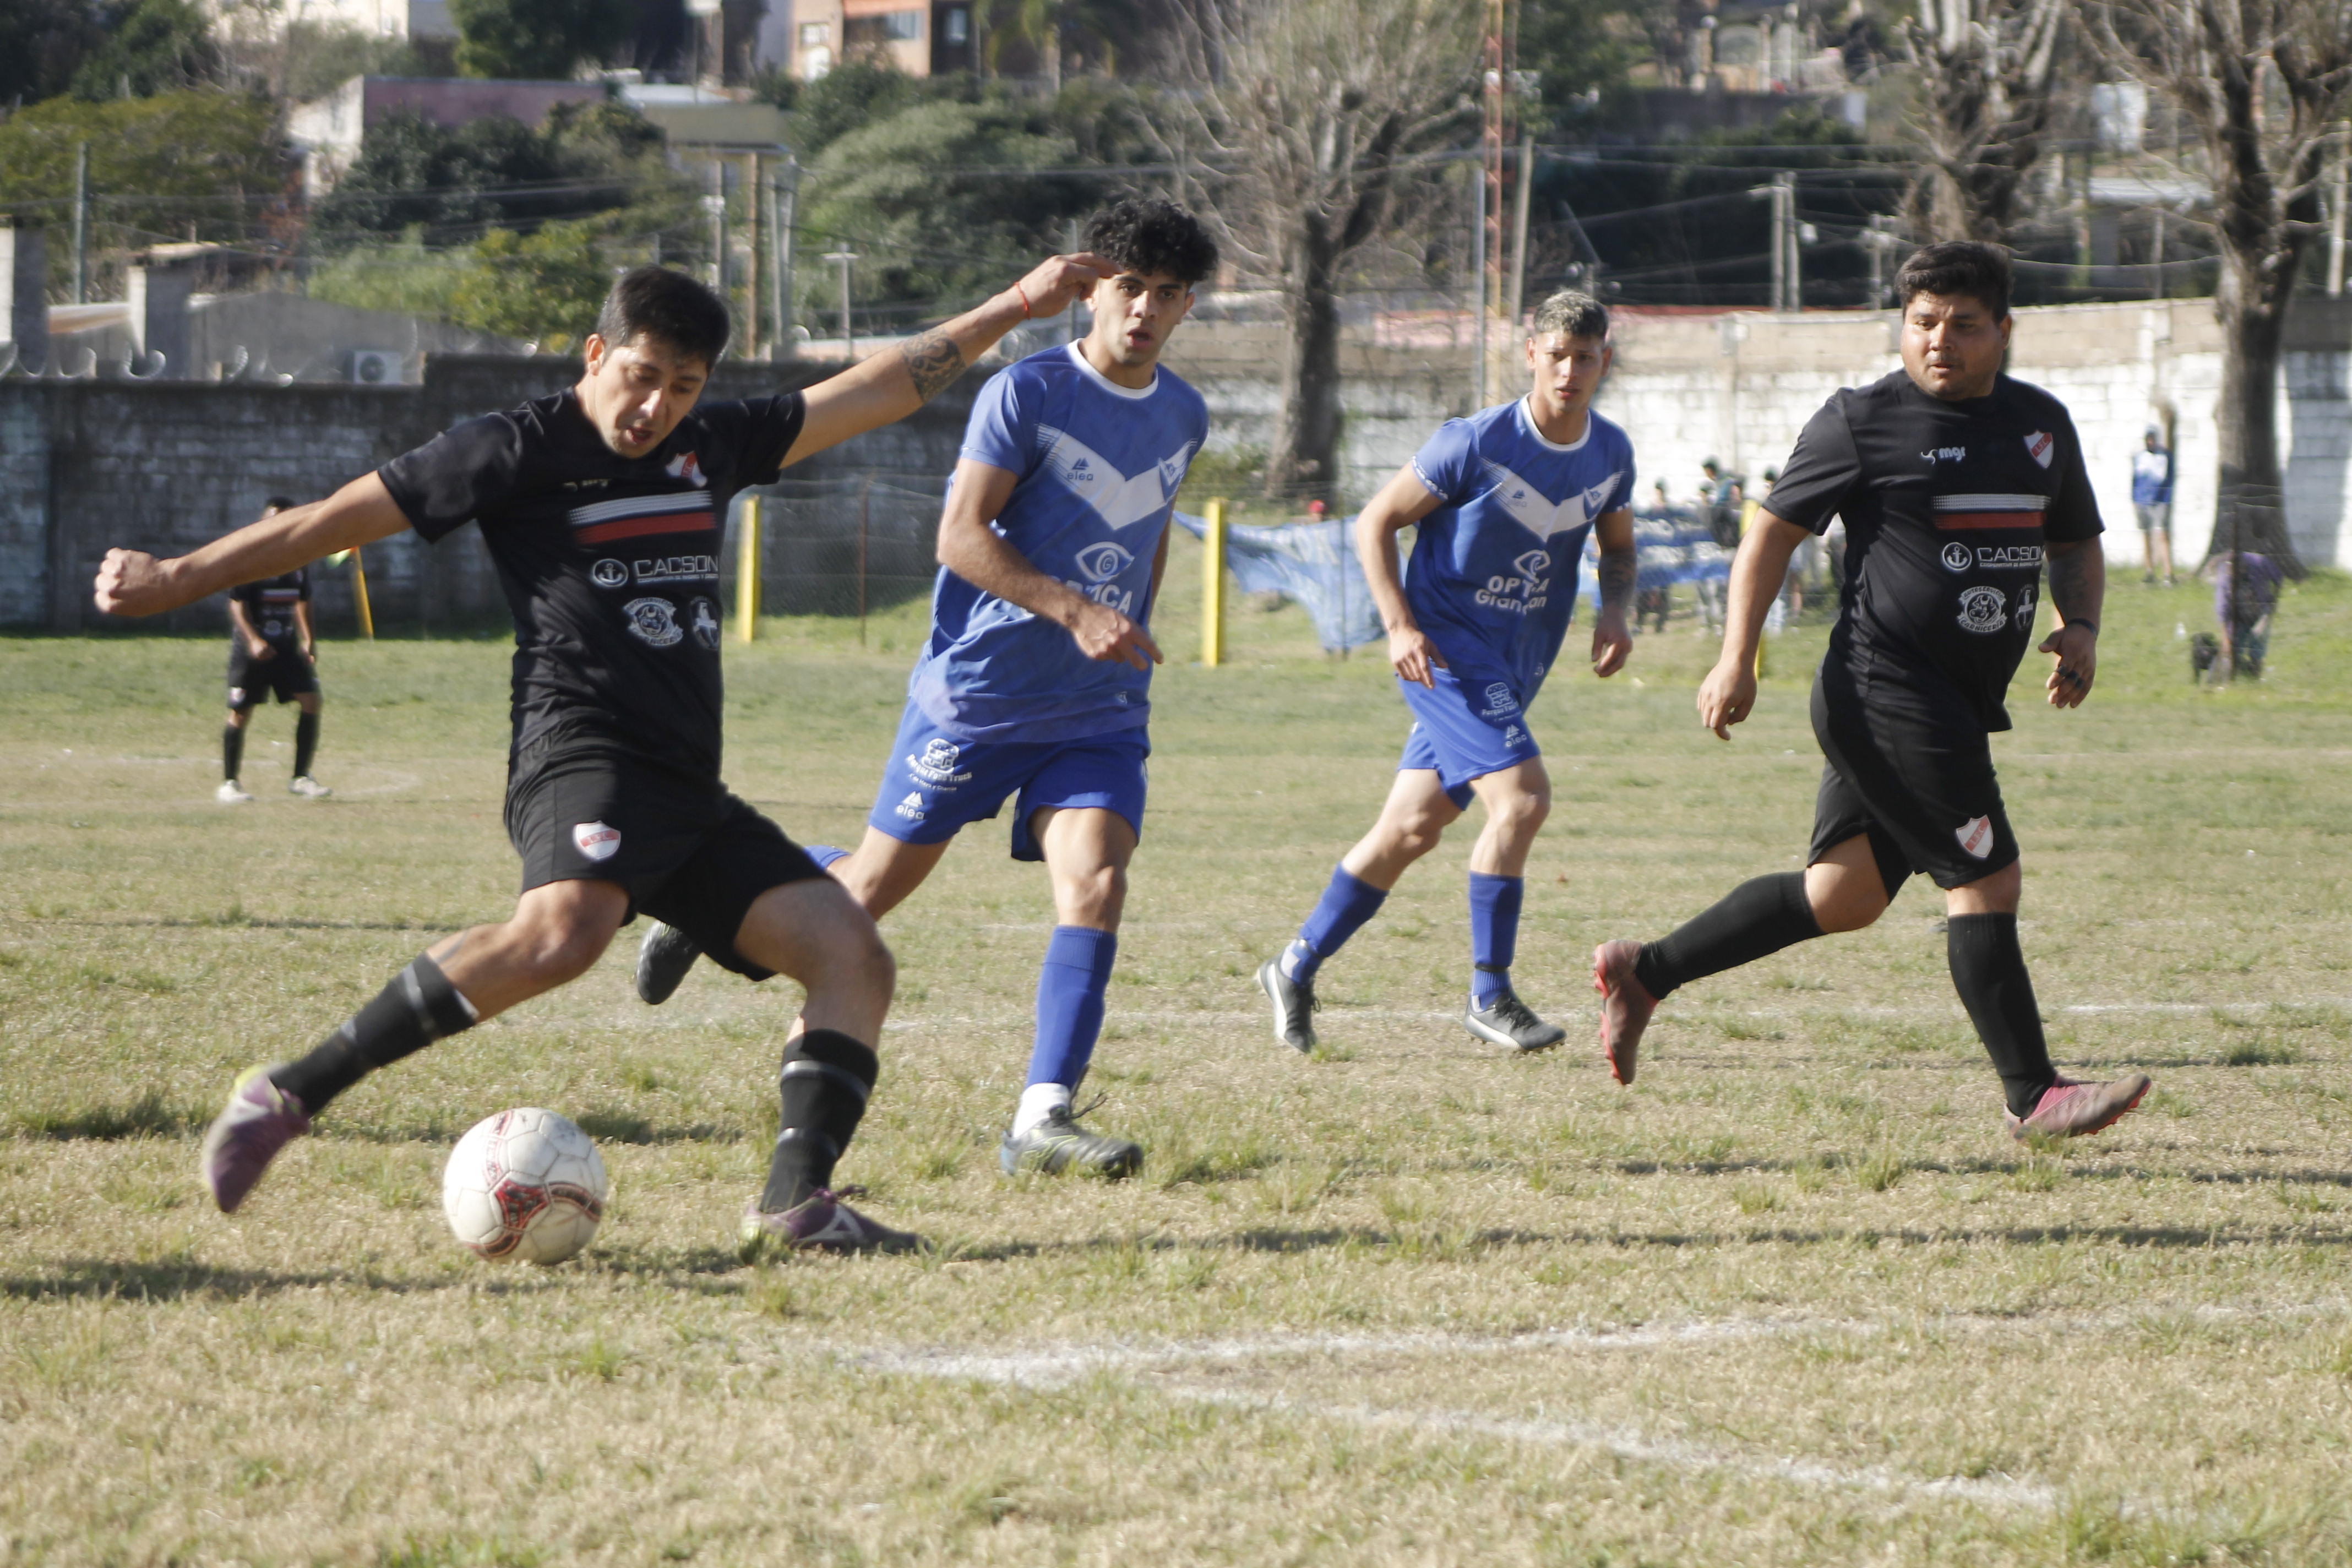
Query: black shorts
[686,852]
[1910,766]
[285,675]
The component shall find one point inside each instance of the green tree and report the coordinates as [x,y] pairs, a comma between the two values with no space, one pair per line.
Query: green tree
[545,287]
[43,43]
[152,47]
[538,39]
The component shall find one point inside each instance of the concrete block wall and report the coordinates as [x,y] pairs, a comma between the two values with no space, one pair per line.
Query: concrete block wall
[165,467]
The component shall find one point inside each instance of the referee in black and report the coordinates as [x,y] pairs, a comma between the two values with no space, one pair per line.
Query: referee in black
[601,506]
[1958,486]
[271,652]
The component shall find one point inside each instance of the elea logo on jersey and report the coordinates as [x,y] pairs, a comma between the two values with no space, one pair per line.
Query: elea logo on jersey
[1957,557]
[596,841]
[911,808]
[2042,447]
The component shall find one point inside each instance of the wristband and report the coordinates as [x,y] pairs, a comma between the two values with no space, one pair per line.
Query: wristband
[1024,293]
[2093,625]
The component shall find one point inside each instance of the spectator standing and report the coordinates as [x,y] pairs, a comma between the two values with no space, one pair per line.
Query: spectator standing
[2246,623]
[2152,504]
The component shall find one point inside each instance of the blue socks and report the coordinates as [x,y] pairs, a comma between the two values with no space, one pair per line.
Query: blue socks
[824,855]
[1346,904]
[1070,987]
[1493,934]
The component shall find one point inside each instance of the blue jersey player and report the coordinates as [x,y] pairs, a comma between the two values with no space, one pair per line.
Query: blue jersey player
[1504,500]
[1035,684]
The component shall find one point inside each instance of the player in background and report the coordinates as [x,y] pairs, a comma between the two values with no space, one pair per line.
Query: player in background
[601,506]
[1957,484]
[1504,500]
[271,652]
[1035,685]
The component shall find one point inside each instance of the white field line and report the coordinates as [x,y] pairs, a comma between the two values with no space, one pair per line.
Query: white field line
[1057,1366]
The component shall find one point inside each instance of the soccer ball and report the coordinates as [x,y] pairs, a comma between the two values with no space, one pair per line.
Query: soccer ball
[525,1186]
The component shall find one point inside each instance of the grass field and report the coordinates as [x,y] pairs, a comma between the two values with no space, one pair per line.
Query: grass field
[1795,1298]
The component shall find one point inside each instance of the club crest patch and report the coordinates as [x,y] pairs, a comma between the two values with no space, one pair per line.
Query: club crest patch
[596,841]
[2042,447]
[1983,610]
[1976,836]
[654,621]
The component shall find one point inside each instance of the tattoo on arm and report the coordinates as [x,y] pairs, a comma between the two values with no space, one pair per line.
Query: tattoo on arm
[2071,588]
[933,361]
[1618,568]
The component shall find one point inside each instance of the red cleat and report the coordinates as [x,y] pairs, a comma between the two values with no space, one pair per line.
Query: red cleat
[1625,1006]
[2070,1110]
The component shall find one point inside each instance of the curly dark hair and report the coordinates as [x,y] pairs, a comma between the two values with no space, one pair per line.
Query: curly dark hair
[1150,235]
[669,307]
[1965,267]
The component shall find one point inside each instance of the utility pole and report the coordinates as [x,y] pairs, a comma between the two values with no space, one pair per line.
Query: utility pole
[1783,194]
[1070,242]
[756,217]
[848,341]
[1495,55]
[715,203]
[81,224]
[1519,230]
[2335,213]
[1478,282]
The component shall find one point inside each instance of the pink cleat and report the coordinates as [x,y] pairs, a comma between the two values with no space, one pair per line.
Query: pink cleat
[818,1223]
[2070,1110]
[259,1120]
[1625,1006]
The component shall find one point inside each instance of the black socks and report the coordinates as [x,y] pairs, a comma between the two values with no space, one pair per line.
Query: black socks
[306,744]
[417,1008]
[231,752]
[1755,917]
[824,1086]
[1989,971]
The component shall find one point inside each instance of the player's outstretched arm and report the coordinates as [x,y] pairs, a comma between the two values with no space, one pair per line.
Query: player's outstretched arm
[887,386]
[987,560]
[1613,645]
[2078,587]
[133,582]
[1401,503]
[1757,573]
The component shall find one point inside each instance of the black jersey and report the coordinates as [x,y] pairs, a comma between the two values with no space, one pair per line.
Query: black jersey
[269,606]
[1946,508]
[609,564]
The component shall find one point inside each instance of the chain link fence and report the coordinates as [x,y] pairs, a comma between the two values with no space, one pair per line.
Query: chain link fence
[845,546]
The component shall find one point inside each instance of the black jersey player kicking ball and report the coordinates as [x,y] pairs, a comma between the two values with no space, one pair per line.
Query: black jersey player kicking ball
[1956,484]
[601,506]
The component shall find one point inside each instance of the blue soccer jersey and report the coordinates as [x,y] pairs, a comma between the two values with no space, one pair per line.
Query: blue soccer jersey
[1099,466]
[1493,576]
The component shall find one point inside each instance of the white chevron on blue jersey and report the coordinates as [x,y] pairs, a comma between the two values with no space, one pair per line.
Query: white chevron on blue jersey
[1122,502]
[1530,510]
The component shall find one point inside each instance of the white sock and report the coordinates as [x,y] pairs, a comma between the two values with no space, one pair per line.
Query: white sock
[1038,1101]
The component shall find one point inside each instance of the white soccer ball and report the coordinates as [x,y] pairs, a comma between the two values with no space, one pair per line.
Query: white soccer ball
[525,1186]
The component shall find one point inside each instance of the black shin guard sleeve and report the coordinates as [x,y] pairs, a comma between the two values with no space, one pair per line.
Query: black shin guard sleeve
[232,751]
[823,1087]
[1757,917]
[1989,971]
[306,744]
[417,1008]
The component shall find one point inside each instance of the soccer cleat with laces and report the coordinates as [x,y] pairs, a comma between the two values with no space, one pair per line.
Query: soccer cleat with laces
[2070,1110]
[231,792]
[308,787]
[1625,1005]
[1294,1006]
[1058,1143]
[1507,1021]
[663,959]
[818,1223]
[259,1120]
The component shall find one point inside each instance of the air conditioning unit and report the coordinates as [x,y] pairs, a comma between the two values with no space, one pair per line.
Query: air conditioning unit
[376,367]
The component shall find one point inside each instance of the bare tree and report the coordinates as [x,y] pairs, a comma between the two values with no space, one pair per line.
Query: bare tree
[1985,69]
[1293,125]
[2264,84]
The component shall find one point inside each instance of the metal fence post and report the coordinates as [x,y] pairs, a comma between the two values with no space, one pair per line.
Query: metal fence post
[864,516]
[1212,585]
[747,572]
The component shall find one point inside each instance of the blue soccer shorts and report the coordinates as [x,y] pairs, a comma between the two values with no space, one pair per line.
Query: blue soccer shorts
[935,784]
[1465,730]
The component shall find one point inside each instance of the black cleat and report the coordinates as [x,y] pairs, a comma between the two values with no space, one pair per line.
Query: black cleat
[663,959]
[1294,1006]
[1058,1144]
[1511,1023]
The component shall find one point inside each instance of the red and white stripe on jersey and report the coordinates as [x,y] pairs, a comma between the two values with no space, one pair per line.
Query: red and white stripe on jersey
[281,595]
[635,516]
[1987,512]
